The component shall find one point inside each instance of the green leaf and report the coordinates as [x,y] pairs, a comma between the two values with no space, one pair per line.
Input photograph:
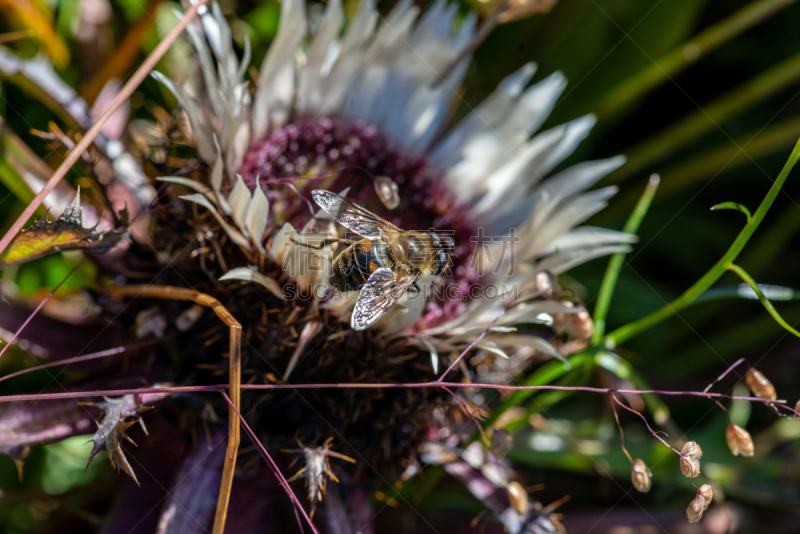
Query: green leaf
[767,304]
[733,206]
[65,233]
[630,330]
[615,264]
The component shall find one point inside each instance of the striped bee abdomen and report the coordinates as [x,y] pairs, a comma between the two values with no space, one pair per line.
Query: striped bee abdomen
[353,267]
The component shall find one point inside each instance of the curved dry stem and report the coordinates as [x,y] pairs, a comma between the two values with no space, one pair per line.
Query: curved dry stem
[235,376]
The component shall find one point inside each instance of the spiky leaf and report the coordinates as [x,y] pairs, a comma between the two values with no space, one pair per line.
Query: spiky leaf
[65,233]
[118,416]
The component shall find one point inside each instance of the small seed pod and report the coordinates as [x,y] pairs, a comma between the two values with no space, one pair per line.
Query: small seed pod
[387,191]
[760,386]
[695,510]
[692,450]
[577,325]
[518,497]
[690,468]
[707,493]
[640,476]
[739,440]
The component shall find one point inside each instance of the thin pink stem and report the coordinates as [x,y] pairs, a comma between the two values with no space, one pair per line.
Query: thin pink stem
[39,307]
[308,202]
[724,409]
[220,387]
[77,359]
[469,413]
[644,419]
[111,393]
[477,340]
[272,464]
[723,375]
[291,179]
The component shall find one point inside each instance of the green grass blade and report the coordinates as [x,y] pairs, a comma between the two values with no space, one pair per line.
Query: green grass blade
[620,98]
[710,163]
[764,300]
[615,264]
[630,330]
[688,129]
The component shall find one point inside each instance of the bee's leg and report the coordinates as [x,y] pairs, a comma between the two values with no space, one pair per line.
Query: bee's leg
[321,245]
[415,288]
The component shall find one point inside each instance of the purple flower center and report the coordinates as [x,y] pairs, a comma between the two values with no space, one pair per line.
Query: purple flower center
[334,155]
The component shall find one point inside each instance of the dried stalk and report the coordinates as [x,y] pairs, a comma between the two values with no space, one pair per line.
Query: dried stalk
[235,377]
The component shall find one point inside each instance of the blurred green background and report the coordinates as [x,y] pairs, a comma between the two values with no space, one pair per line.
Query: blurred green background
[703,92]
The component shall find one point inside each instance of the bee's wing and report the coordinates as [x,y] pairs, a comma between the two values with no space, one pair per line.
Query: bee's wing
[361,221]
[382,289]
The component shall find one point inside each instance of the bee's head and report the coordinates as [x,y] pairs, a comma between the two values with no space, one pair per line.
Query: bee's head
[425,251]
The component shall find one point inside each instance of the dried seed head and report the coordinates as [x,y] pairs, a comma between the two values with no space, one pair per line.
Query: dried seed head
[692,450]
[640,476]
[739,440]
[707,493]
[518,498]
[760,386]
[387,191]
[577,325]
[317,470]
[690,468]
[695,510]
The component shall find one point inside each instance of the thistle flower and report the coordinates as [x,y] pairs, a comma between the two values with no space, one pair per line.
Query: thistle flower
[363,107]
[365,112]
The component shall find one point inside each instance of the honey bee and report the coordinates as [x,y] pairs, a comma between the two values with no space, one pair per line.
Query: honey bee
[383,265]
